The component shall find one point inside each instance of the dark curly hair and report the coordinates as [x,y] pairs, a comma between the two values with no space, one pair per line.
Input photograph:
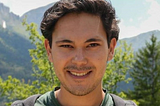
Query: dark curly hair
[101,8]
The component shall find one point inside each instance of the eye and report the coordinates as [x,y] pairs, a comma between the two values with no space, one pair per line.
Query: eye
[66,46]
[93,45]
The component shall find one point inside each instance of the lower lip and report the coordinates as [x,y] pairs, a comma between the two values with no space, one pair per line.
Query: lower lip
[79,77]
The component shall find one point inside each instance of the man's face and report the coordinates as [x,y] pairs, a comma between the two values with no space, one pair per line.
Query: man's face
[79,52]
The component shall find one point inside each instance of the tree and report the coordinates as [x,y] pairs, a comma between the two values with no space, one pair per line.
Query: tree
[146,74]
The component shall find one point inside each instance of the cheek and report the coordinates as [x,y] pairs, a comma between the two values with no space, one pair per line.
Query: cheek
[100,55]
[99,59]
[60,58]
[58,64]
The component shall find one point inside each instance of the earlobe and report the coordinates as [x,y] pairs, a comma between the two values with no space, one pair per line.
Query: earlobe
[111,48]
[48,50]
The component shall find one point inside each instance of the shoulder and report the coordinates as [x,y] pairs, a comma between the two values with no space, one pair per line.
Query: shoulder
[43,99]
[47,99]
[121,102]
[48,96]
[26,102]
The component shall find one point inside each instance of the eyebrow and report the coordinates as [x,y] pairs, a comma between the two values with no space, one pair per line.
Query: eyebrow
[92,40]
[69,41]
[64,41]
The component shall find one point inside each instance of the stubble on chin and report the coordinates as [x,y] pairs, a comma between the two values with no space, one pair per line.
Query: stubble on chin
[80,90]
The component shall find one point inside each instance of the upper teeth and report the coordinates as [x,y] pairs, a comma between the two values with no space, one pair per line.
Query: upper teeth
[79,74]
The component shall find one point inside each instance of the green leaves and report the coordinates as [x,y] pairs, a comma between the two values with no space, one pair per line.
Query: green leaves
[118,68]
[13,88]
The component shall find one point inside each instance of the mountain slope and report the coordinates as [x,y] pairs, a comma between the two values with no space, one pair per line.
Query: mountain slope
[14,45]
[139,40]
[14,55]
[36,15]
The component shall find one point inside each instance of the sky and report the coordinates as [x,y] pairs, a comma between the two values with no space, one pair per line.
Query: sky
[136,16]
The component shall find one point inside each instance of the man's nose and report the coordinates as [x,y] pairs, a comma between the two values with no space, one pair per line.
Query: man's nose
[79,57]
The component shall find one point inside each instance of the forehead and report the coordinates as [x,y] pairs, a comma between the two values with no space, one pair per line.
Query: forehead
[78,19]
[78,24]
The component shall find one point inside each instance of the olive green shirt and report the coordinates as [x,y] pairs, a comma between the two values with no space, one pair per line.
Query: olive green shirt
[48,99]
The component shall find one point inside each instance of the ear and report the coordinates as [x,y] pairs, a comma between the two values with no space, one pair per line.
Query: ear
[48,50]
[111,48]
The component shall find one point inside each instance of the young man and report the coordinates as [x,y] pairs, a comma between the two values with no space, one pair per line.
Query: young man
[80,38]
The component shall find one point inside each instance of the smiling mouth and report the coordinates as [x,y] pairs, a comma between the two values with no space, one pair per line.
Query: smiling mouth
[79,74]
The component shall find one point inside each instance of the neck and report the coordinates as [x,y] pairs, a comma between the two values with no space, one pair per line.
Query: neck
[94,98]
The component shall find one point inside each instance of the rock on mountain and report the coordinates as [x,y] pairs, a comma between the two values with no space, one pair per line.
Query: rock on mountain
[11,21]
[7,16]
